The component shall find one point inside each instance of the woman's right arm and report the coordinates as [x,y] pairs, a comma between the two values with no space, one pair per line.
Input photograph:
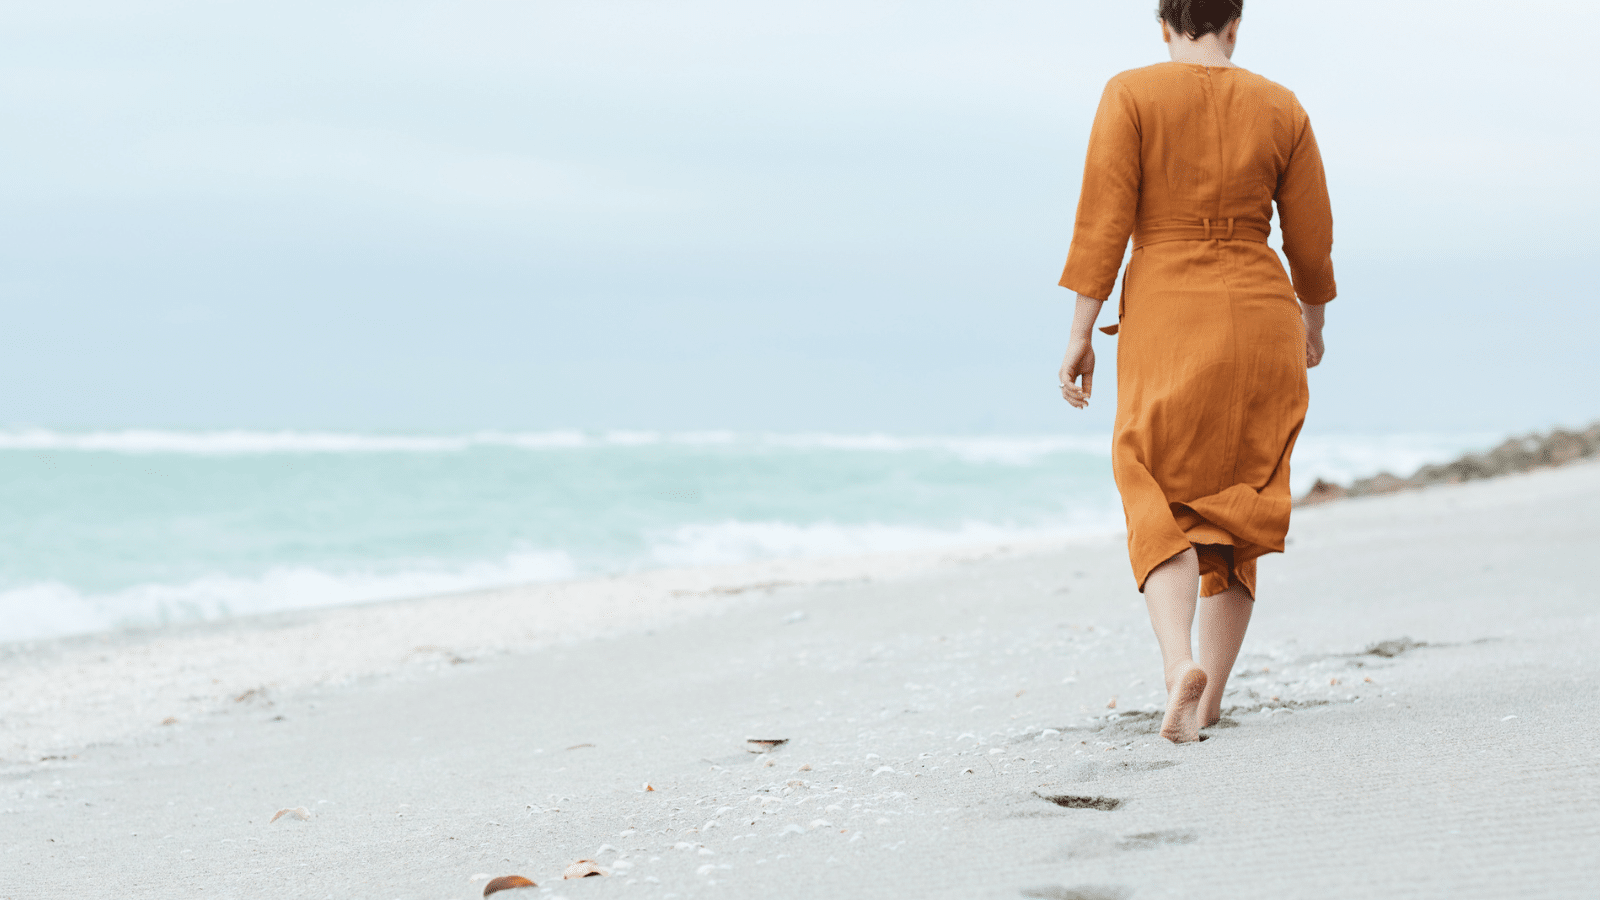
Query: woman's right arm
[1307,220]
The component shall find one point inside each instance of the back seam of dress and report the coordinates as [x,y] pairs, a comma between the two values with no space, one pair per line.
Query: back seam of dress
[1222,156]
[1233,435]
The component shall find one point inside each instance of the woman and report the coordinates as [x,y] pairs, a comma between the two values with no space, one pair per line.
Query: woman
[1188,157]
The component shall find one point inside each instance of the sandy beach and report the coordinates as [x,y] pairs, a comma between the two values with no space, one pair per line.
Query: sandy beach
[1413,716]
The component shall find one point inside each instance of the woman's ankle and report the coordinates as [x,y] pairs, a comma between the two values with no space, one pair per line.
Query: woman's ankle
[1176,670]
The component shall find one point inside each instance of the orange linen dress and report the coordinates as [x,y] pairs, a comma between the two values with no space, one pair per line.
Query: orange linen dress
[1211,369]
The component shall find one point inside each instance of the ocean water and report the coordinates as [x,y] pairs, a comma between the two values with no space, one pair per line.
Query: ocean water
[111,529]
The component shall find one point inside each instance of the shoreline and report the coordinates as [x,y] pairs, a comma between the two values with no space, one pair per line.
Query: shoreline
[128,680]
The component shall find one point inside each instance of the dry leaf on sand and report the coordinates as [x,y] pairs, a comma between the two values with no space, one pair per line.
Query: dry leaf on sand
[583,868]
[299,812]
[506,883]
[762,745]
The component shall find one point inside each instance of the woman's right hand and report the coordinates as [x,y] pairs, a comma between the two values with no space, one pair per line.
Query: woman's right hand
[1313,315]
[1313,348]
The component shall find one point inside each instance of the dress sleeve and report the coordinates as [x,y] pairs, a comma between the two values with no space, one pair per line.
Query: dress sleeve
[1110,196]
[1307,218]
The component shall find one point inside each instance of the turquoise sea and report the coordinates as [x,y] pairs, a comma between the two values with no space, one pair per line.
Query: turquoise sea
[110,529]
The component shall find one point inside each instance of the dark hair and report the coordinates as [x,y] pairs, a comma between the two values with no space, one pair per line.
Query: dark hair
[1195,18]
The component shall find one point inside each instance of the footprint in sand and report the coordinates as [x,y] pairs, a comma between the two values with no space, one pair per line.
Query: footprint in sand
[1081,892]
[1148,765]
[1068,801]
[1091,771]
[1098,844]
[1150,840]
[1391,648]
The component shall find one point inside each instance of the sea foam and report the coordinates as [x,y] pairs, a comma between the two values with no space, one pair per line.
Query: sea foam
[51,609]
[734,542]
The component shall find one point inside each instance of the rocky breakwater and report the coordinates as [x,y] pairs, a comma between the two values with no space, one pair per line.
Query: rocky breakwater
[1518,454]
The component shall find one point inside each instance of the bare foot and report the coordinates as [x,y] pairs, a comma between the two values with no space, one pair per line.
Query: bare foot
[1182,722]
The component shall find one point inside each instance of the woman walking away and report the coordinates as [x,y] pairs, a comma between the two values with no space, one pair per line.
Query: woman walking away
[1187,158]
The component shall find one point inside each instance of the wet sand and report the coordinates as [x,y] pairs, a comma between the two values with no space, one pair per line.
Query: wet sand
[1412,716]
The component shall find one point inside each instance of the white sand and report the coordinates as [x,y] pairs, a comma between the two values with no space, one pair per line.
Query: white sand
[928,701]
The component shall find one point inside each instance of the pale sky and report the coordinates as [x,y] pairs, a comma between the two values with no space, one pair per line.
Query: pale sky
[833,215]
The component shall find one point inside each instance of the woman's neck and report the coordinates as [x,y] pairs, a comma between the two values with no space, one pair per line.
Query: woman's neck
[1204,59]
[1205,50]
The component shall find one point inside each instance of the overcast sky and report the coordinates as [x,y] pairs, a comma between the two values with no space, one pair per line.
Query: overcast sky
[717,214]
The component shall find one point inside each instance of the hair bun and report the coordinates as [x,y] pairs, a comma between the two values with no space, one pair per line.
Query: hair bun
[1195,18]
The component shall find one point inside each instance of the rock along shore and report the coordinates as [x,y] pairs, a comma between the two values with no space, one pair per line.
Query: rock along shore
[1518,454]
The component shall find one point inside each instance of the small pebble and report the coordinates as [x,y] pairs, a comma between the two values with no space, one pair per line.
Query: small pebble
[506,883]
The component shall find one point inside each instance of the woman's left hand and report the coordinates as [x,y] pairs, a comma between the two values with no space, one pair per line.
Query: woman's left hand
[1078,363]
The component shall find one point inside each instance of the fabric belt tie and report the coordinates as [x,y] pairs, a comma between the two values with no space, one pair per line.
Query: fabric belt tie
[1192,230]
[1255,230]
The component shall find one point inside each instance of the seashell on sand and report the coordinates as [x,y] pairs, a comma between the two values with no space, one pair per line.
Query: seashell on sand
[299,812]
[764,745]
[506,883]
[1112,703]
[583,868]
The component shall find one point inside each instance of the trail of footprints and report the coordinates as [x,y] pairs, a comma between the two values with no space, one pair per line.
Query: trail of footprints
[1294,674]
